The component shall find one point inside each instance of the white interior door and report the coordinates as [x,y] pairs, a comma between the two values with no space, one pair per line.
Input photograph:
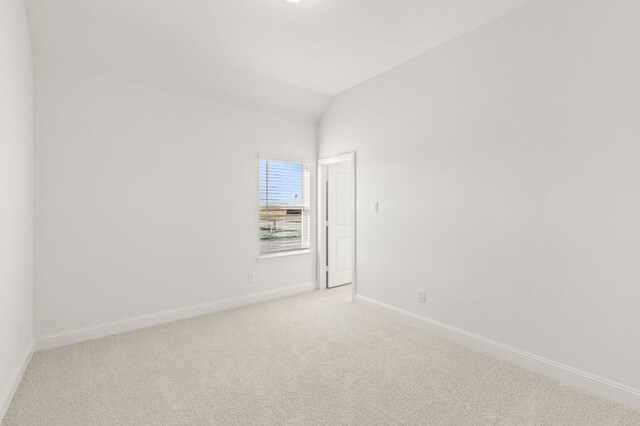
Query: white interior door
[339,224]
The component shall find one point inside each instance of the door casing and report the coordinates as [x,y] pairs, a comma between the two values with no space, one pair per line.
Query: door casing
[349,157]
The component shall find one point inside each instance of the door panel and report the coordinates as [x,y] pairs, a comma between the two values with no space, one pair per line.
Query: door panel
[340,226]
[343,198]
[343,255]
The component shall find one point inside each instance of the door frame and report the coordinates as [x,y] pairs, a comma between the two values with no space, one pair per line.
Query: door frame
[322,217]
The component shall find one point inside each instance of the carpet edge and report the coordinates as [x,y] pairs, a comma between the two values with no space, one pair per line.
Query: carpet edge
[68,337]
[589,382]
[6,396]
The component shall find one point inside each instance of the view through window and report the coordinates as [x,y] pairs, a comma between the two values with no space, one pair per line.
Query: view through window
[284,188]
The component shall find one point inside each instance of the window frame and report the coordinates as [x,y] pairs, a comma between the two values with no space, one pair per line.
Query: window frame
[283,254]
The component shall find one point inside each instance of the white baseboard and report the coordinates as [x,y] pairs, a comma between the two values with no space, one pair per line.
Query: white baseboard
[589,382]
[6,395]
[69,337]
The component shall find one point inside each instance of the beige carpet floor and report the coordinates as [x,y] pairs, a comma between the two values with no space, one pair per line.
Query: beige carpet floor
[308,359]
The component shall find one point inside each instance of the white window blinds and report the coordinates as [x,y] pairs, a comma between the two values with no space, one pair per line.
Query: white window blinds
[284,193]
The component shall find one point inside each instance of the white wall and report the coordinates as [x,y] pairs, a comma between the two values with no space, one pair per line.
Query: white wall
[16,194]
[506,164]
[137,43]
[146,200]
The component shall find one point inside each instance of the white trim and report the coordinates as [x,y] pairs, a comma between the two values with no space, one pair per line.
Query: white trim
[282,254]
[286,158]
[349,156]
[321,217]
[306,162]
[589,382]
[69,337]
[14,381]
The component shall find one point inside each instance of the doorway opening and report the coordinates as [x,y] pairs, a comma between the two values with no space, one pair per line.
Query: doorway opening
[337,222]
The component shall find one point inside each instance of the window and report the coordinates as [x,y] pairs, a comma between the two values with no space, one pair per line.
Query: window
[284,188]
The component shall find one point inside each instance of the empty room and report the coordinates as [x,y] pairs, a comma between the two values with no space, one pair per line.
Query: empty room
[319,212]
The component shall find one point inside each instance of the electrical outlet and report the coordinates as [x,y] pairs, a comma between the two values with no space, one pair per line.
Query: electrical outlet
[250,277]
[421,296]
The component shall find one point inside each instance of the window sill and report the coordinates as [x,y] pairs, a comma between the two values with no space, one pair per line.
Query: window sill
[281,255]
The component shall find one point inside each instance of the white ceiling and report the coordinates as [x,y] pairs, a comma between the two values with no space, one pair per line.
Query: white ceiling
[303,53]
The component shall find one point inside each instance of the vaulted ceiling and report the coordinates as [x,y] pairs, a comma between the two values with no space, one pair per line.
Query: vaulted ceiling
[291,56]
